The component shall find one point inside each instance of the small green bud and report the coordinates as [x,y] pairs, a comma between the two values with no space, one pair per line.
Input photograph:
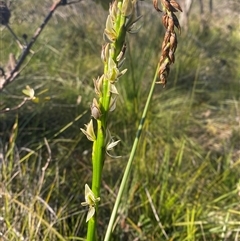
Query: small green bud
[29,92]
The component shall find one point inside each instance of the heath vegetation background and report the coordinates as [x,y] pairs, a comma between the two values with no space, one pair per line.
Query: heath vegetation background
[185,182]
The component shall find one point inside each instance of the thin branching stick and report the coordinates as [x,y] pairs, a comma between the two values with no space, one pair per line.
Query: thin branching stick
[15,71]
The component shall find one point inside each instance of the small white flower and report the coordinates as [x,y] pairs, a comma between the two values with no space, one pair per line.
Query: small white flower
[90,201]
[89,132]
[110,147]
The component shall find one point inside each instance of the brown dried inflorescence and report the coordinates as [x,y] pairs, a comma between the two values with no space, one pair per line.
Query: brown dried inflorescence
[4,13]
[169,44]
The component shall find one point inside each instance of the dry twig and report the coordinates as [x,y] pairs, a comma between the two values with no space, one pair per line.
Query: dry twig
[4,18]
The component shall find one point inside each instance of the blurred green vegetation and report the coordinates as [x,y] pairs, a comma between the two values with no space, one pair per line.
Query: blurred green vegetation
[188,159]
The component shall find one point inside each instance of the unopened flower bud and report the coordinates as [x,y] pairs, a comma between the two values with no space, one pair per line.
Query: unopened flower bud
[113,9]
[98,85]
[127,8]
[105,52]
[95,110]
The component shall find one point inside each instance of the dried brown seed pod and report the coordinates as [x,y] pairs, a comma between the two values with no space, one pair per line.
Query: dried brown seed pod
[163,66]
[173,41]
[165,20]
[166,38]
[168,6]
[161,59]
[165,53]
[163,79]
[175,5]
[155,4]
[170,24]
[169,44]
[171,56]
[176,22]
[165,47]
[163,76]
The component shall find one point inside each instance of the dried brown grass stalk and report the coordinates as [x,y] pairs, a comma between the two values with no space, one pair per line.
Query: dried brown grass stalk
[169,44]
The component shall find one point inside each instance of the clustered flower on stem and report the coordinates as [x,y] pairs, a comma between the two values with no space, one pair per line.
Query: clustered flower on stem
[121,20]
[112,55]
[169,44]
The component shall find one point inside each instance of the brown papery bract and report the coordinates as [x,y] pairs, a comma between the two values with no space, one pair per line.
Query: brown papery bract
[169,44]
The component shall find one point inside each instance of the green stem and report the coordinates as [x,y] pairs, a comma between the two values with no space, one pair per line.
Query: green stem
[91,233]
[130,160]
[99,145]
[98,155]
